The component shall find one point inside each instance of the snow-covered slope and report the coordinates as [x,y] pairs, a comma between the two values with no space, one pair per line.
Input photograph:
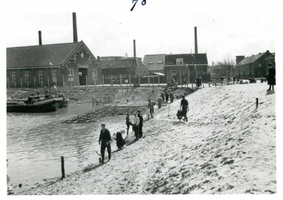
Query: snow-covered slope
[227,146]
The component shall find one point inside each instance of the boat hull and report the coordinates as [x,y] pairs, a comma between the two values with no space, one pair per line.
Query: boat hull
[36,107]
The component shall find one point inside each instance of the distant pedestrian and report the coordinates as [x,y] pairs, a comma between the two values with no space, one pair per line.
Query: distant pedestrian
[140,124]
[120,140]
[162,96]
[167,97]
[159,102]
[105,142]
[271,81]
[128,122]
[151,107]
[185,106]
[171,97]
[136,125]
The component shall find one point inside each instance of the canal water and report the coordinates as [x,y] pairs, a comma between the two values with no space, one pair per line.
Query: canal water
[35,143]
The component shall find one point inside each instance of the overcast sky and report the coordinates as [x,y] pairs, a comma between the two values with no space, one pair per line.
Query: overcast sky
[225,29]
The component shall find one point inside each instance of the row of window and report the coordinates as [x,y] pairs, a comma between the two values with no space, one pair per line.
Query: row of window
[40,76]
[158,62]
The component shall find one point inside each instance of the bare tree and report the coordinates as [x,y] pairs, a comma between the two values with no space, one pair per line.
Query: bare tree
[227,68]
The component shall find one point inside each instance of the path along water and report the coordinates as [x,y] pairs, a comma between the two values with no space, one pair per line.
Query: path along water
[35,143]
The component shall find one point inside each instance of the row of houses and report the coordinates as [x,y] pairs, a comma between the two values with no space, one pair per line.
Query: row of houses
[255,66]
[73,63]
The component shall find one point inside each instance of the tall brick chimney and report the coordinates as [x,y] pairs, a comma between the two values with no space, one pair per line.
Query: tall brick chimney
[75,33]
[196,41]
[134,48]
[39,38]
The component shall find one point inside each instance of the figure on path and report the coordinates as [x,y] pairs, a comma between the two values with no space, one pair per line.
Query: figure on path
[185,106]
[271,77]
[120,141]
[171,97]
[141,124]
[105,142]
[159,101]
[128,122]
[136,125]
[151,107]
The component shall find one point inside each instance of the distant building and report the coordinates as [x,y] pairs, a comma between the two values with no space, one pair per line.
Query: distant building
[255,65]
[121,70]
[155,64]
[42,65]
[186,67]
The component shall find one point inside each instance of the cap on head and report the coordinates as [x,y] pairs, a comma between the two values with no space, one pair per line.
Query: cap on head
[103,125]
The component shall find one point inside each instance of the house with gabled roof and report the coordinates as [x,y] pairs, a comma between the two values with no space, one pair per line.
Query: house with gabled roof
[44,65]
[254,66]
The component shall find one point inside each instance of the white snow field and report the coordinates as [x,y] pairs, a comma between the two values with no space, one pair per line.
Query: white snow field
[226,147]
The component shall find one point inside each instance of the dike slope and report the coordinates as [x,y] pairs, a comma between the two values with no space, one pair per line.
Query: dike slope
[226,147]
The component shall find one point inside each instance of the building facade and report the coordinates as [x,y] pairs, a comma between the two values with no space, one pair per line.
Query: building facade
[185,68]
[44,65]
[122,70]
[254,66]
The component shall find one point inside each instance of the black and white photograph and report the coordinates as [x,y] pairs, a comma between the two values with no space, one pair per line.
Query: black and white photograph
[141,97]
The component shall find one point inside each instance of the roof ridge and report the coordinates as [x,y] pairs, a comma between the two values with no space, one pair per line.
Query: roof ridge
[43,45]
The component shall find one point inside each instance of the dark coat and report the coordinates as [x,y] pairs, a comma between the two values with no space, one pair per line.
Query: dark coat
[120,141]
[271,77]
[141,120]
[104,136]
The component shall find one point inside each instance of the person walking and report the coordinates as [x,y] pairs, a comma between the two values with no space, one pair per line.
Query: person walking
[151,107]
[271,77]
[162,96]
[171,97]
[185,106]
[140,124]
[159,101]
[166,97]
[105,142]
[128,122]
[136,126]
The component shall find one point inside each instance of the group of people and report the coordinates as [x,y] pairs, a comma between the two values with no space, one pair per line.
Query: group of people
[137,124]
[165,98]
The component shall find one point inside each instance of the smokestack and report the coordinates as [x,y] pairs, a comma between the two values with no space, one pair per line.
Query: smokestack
[196,41]
[75,33]
[39,38]
[134,48]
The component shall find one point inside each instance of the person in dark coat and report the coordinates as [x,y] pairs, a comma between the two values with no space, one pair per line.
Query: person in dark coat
[185,106]
[128,122]
[167,97]
[141,123]
[171,97]
[105,142]
[162,96]
[120,141]
[271,77]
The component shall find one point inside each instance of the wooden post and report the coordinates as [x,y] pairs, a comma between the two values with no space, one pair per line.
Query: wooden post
[8,82]
[48,81]
[120,79]
[103,80]
[130,81]
[256,103]
[21,82]
[148,80]
[86,81]
[63,167]
[63,80]
[34,81]
[111,80]
[180,77]
[139,80]
[158,79]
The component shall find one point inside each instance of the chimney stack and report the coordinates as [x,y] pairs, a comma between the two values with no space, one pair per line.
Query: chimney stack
[39,38]
[196,41]
[134,48]
[75,33]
